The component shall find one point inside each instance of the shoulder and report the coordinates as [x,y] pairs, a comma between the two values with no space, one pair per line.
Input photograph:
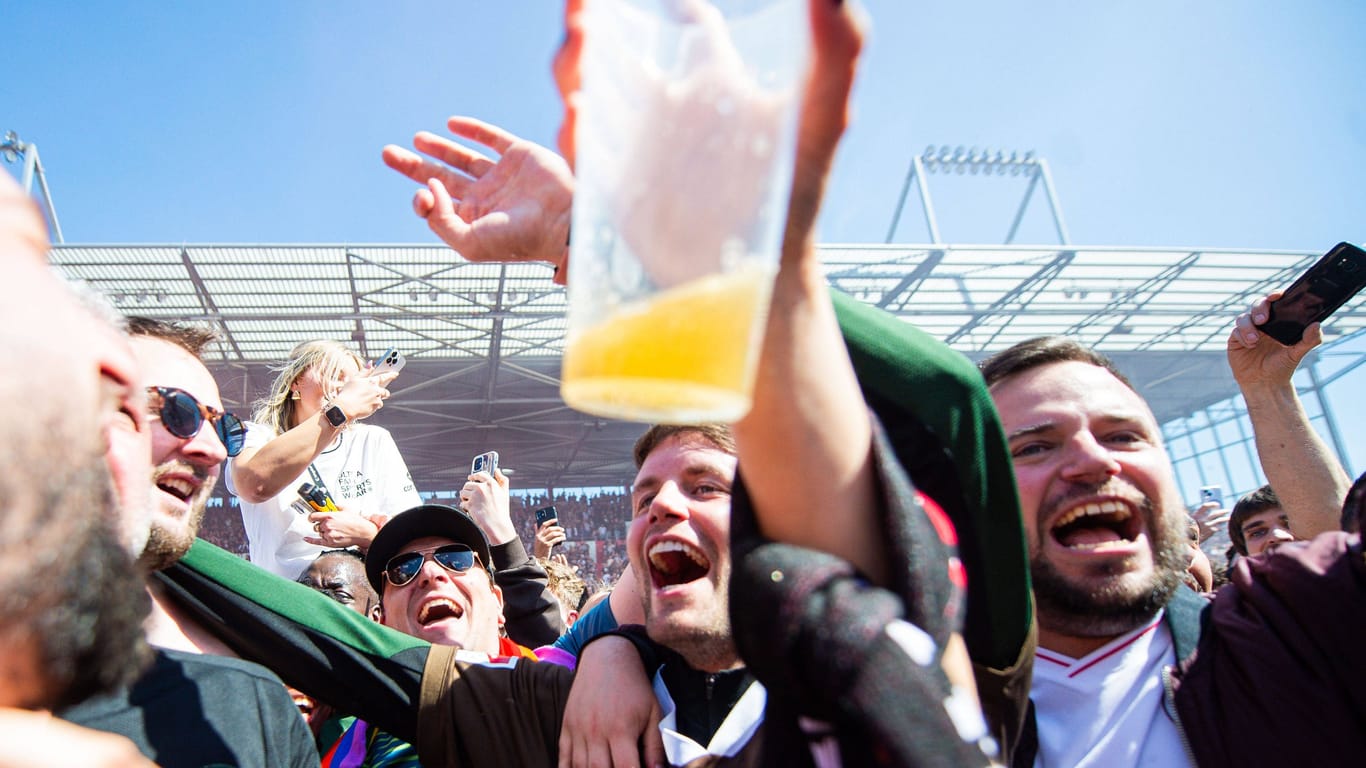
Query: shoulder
[220,670]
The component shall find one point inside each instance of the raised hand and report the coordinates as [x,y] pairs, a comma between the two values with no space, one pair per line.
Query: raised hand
[1256,359]
[547,536]
[514,208]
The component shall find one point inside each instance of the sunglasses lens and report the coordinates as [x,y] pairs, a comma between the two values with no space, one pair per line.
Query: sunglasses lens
[455,557]
[232,432]
[180,414]
[403,568]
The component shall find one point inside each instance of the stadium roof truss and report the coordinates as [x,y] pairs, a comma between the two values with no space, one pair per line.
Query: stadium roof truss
[484,340]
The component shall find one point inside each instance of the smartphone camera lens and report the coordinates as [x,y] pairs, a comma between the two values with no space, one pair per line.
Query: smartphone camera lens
[1347,265]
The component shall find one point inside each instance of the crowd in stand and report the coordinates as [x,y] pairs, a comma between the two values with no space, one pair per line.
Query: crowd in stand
[1000,570]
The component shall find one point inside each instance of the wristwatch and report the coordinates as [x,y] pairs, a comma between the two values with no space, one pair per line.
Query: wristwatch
[335,416]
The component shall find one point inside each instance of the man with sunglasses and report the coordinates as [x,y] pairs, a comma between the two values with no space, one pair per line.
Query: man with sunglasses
[191,436]
[430,566]
[188,708]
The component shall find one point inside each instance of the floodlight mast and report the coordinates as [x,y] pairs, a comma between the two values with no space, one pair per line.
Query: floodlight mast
[962,160]
[12,148]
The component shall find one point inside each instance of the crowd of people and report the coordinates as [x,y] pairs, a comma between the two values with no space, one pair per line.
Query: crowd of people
[895,558]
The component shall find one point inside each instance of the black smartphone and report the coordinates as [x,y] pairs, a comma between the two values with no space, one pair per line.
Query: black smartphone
[485,462]
[1318,293]
[545,513]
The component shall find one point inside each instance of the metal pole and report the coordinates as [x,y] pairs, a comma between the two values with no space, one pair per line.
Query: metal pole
[1053,202]
[47,196]
[1024,204]
[1327,412]
[925,203]
[901,202]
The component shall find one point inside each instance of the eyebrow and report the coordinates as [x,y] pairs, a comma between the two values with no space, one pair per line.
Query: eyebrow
[1107,420]
[697,470]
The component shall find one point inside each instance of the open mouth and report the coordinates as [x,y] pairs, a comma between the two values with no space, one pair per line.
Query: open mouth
[437,610]
[180,488]
[1097,524]
[674,562]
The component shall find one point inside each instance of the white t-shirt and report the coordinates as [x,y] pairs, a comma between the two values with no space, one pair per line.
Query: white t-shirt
[1105,710]
[363,471]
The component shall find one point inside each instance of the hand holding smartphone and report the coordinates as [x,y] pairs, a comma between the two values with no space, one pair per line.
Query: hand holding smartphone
[1318,293]
[485,462]
[391,360]
[1212,493]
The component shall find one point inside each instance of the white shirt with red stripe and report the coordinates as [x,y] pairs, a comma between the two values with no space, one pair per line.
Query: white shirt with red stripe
[1105,710]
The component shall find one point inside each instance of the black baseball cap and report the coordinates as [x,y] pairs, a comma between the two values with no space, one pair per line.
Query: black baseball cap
[417,523]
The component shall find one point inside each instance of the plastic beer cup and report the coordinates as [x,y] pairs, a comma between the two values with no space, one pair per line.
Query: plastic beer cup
[685,145]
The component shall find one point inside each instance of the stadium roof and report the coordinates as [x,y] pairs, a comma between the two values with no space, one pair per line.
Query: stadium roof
[484,340]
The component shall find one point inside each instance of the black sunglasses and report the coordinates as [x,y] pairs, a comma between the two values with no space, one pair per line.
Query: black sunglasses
[183,416]
[403,568]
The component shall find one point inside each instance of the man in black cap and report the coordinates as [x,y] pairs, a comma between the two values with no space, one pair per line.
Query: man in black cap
[432,567]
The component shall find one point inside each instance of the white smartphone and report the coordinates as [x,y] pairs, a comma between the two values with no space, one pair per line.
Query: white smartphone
[485,462]
[1212,493]
[391,360]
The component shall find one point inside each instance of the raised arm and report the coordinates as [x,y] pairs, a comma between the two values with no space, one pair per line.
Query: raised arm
[263,470]
[807,405]
[531,609]
[1307,478]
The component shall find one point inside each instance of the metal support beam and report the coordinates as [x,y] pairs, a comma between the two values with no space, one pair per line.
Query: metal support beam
[1339,447]
[1020,294]
[11,148]
[915,174]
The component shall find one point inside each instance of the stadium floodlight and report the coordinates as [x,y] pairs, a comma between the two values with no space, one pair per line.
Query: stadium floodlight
[12,148]
[974,160]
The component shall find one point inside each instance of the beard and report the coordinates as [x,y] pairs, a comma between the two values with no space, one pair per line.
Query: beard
[701,635]
[1113,601]
[171,536]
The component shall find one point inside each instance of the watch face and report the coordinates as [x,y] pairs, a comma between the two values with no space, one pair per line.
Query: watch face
[335,416]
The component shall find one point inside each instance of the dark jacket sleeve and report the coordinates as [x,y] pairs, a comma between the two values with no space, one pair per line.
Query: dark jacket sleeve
[942,425]
[312,642]
[1279,676]
[830,645]
[531,609]
[944,429]
[477,714]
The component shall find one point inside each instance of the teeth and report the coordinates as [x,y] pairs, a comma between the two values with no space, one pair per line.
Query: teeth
[426,612]
[1110,507]
[183,488]
[675,546]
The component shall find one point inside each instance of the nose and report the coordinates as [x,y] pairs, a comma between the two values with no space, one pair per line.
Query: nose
[670,501]
[205,449]
[431,571]
[1086,460]
[1282,534]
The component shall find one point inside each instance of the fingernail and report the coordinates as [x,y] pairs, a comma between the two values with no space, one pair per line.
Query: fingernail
[1252,337]
[1259,318]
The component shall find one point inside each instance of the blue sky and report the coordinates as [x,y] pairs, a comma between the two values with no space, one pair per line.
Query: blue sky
[1218,123]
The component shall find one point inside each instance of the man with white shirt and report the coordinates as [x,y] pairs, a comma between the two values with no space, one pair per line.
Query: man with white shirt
[1104,524]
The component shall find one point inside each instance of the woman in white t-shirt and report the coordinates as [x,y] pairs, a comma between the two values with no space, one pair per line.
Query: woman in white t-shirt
[307,430]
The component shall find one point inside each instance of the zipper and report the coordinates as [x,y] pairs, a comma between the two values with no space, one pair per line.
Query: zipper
[1169,704]
[711,682]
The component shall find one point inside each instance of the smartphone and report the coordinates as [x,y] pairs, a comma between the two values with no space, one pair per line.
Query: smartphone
[484,462]
[391,360]
[1318,293]
[1212,493]
[545,513]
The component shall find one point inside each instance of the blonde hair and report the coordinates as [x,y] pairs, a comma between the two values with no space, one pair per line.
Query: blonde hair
[276,409]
